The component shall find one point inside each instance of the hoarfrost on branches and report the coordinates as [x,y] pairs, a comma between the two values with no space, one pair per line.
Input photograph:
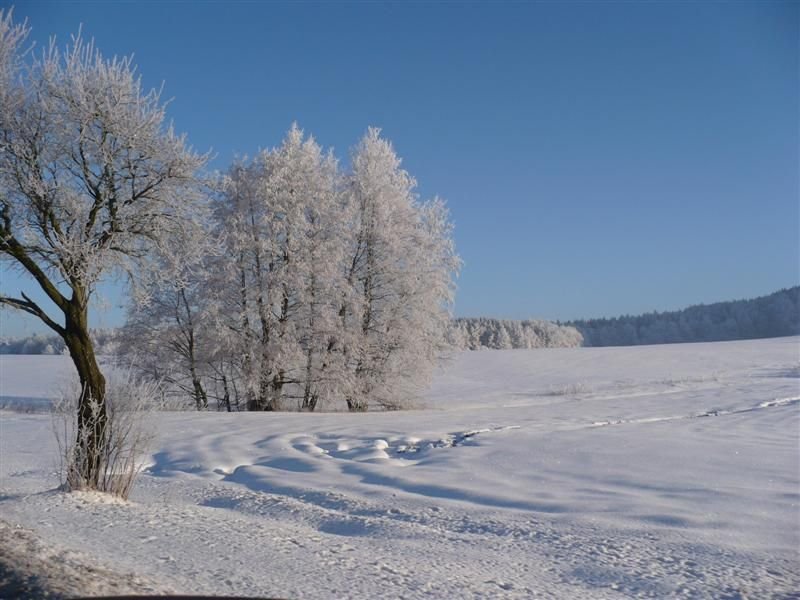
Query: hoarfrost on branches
[331,289]
[92,184]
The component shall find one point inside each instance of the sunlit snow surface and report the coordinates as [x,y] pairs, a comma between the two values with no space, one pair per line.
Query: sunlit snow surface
[656,471]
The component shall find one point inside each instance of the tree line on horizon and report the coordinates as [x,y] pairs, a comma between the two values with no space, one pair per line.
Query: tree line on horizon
[773,315]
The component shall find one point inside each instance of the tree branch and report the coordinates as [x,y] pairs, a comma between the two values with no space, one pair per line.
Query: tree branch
[29,306]
[10,245]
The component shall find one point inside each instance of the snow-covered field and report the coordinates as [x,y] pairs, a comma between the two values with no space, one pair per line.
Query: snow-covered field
[654,471]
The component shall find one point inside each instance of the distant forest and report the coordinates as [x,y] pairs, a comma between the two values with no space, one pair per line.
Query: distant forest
[501,334]
[775,315]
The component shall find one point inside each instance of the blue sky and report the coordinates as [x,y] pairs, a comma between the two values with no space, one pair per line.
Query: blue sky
[598,158]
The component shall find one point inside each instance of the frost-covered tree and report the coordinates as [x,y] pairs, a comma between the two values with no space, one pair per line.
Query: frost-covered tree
[400,269]
[320,256]
[91,183]
[333,289]
[233,297]
[283,227]
[168,335]
[165,339]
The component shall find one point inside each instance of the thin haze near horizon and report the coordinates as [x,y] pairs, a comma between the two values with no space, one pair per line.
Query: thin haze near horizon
[598,159]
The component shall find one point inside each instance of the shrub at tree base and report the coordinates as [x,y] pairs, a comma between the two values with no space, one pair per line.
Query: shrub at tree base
[118,461]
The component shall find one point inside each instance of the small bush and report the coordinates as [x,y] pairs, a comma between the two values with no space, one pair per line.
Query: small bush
[568,389]
[127,437]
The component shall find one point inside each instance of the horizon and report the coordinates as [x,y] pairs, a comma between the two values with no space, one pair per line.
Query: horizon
[625,158]
[46,333]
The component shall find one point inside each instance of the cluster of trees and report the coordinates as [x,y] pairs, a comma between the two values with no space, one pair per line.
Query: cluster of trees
[775,315]
[288,284]
[310,287]
[500,334]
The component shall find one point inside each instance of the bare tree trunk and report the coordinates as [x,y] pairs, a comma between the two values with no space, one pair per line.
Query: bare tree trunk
[307,395]
[309,398]
[263,400]
[226,399]
[92,408]
[361,402]
[236,394]
[250,400]
[200,396]
[275,389]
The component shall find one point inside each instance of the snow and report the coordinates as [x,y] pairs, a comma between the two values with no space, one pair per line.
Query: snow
[652,471]
[33,382]
[30,568]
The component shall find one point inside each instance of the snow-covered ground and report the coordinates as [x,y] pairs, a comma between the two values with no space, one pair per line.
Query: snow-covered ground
[654,471]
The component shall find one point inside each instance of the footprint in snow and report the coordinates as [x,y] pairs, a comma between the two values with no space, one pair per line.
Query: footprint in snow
[453,440]
[502,585]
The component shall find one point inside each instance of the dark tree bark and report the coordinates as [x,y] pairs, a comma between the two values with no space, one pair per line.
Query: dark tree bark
[92,406]
[226,398]
[200,396]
